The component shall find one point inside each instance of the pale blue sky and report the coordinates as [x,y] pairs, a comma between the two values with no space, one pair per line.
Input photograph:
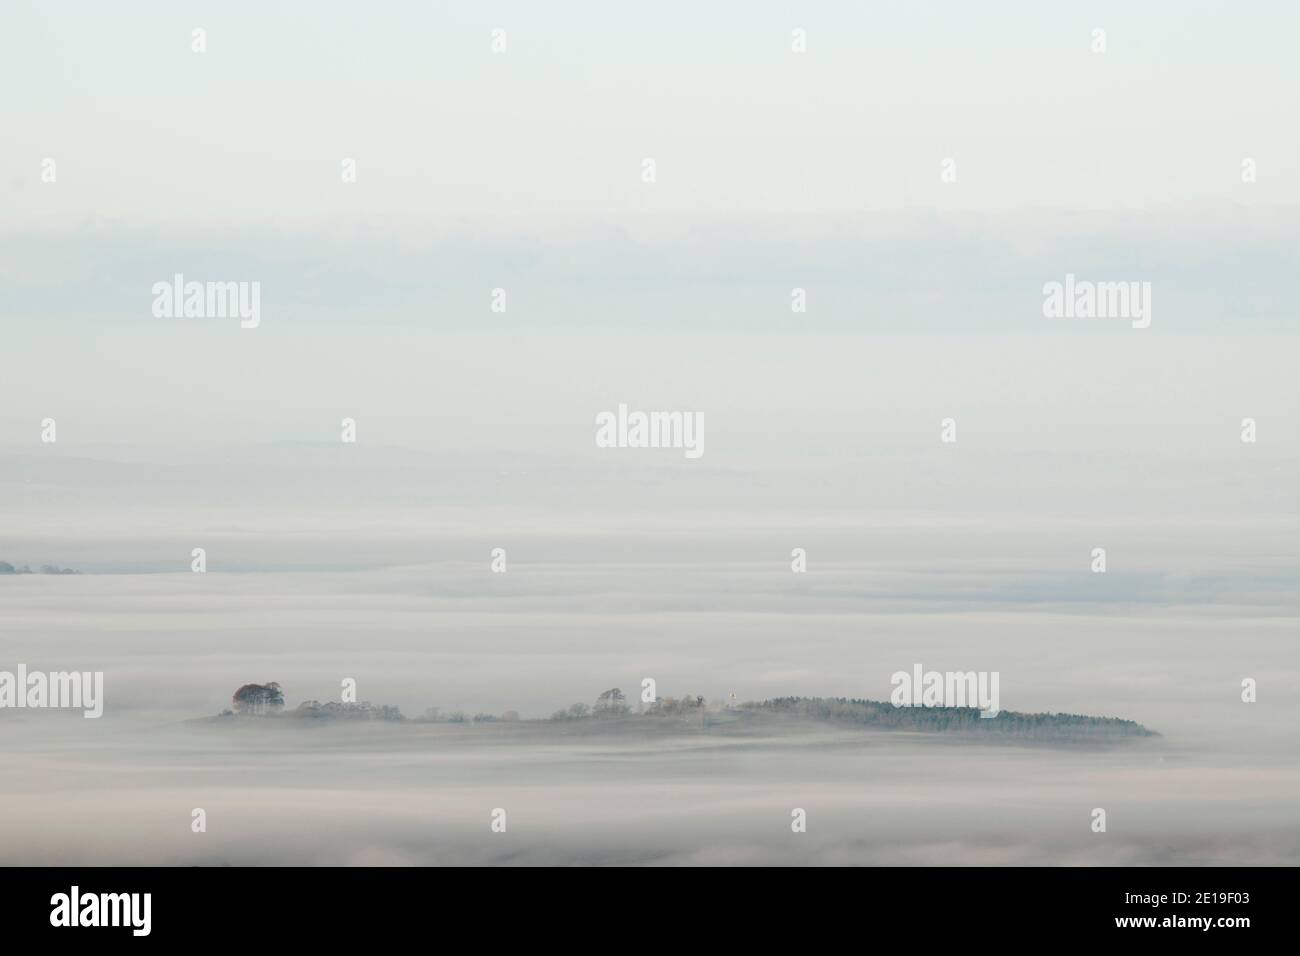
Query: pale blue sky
[253,130]
[522,171]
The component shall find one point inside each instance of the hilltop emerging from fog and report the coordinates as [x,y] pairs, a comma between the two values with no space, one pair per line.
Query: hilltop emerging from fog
[612,712]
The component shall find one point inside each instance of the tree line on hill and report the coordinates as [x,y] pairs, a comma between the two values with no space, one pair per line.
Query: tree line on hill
[7,568]
[259,700]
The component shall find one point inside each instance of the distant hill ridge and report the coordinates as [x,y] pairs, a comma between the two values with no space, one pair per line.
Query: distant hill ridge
[7,568]
[885,716]
[611,707]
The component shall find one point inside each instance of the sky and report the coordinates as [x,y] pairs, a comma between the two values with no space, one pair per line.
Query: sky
[522,171]
[553,130]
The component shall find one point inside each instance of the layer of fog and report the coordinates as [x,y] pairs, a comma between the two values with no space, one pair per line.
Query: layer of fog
[371,794]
